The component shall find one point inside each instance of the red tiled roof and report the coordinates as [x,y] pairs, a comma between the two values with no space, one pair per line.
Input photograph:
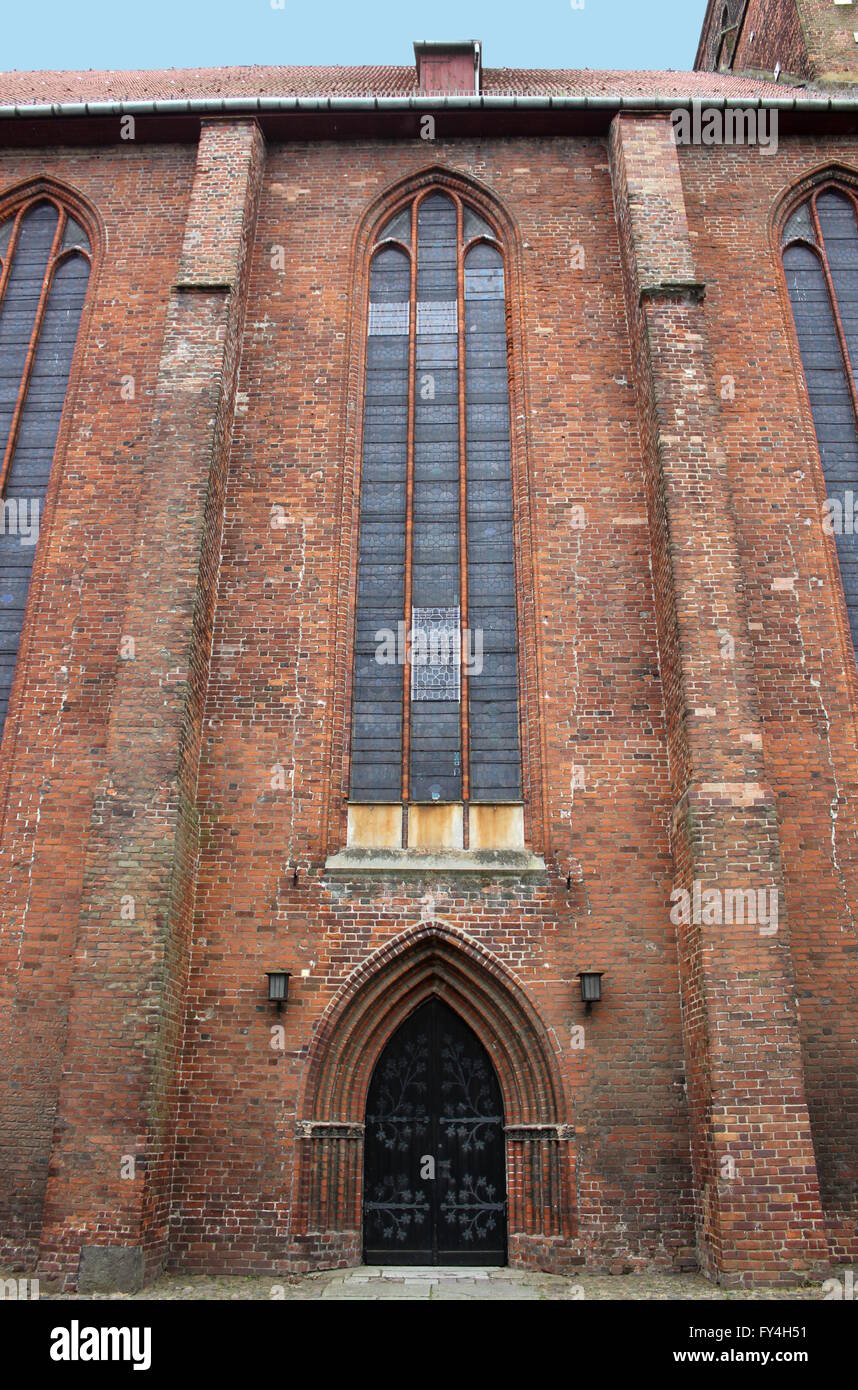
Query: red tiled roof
[591,82]
[178,83]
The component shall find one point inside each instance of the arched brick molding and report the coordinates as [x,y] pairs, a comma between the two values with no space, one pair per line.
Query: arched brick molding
[434,959]
[65,195]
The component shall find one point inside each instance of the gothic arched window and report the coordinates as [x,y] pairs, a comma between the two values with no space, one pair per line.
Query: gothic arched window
[820,254]
[726,43]
[45,261]
[435,703]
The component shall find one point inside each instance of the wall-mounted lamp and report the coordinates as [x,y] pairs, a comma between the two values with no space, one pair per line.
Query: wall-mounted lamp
[278,987]
[591,987]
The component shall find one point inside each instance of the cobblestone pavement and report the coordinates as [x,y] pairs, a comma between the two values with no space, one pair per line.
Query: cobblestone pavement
[432,1282]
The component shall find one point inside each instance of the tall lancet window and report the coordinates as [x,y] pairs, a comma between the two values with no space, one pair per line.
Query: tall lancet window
[44,271]
[820,253]
[435,704]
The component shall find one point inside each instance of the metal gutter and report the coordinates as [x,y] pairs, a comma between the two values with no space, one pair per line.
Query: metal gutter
[253,106]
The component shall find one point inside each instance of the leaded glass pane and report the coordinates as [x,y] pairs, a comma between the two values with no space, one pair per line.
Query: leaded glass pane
[800,226]
[492,615]
[436,654]
[399,227]
[376,765]
[831,404]
[64,287]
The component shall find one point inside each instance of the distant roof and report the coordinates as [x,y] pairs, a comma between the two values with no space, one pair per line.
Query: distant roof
[177,83]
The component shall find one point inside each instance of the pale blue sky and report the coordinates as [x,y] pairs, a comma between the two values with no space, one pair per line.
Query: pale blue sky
[209,33]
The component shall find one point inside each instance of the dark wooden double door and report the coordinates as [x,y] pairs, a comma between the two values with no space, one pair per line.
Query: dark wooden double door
[435,1170]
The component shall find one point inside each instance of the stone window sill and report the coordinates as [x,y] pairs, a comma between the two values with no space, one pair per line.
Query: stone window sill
[519,862]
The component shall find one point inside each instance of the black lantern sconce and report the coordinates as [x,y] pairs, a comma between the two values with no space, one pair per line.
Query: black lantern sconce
[591,987]
[278,987]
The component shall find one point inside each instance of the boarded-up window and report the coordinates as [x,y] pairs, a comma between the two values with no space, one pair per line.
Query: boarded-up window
[44,271]
[436,710]
[820,252]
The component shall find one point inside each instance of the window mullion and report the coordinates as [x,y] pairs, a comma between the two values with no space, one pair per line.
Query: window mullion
[463,506]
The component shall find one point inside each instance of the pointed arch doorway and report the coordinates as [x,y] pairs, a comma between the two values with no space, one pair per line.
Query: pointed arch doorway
[434,1164]
[426,962]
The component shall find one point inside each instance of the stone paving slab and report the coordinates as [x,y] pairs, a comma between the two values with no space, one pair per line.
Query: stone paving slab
[431,1283]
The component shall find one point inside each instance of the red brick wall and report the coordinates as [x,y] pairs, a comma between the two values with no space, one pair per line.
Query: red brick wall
[54,742]
[807,38]
[804,664]
[270,702]
[709,47]
[749,1123]
[772,33]
[128,977]
[829,34]
[270,776]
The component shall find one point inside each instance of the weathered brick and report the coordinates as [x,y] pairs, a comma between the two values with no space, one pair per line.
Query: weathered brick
[653,515]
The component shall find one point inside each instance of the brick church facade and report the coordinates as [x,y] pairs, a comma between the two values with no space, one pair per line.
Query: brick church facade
[291,357]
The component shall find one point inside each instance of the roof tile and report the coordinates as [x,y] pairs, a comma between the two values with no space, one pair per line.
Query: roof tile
[178,83]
